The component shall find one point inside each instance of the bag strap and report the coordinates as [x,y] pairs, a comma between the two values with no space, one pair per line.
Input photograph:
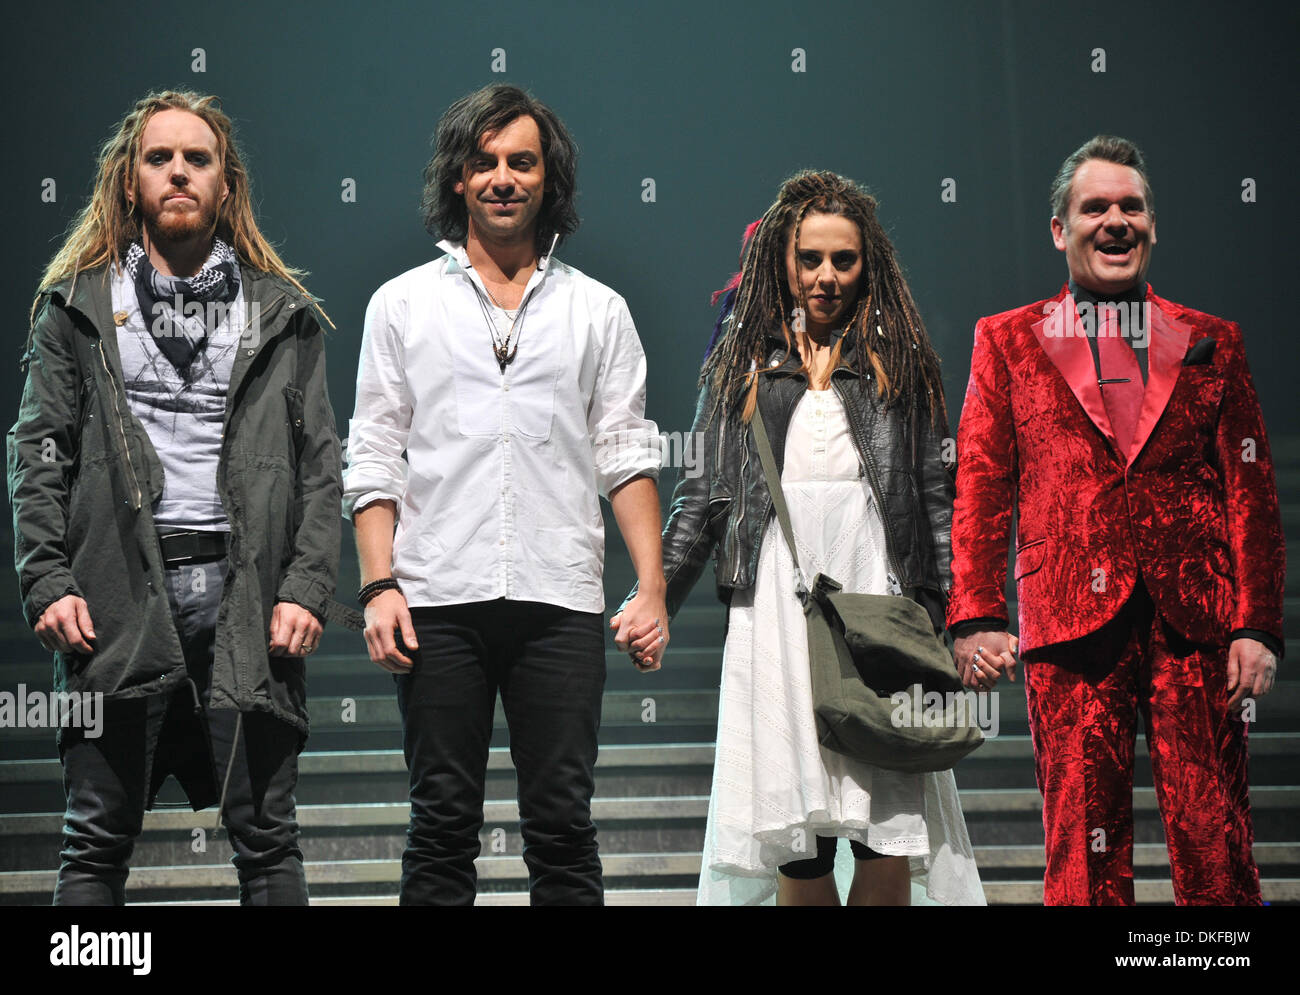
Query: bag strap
[778,497]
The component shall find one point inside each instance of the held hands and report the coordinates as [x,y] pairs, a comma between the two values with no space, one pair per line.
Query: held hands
[1252,669]
[65,626]
[982,657]
[385,614]
[294,630]
[641,631]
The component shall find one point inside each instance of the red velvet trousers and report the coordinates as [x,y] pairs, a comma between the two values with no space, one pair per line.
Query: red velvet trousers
[1084,698]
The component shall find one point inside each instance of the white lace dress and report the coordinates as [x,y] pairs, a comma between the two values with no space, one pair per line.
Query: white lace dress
[774,788]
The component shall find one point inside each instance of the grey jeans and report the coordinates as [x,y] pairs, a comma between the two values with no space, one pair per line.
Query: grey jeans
[111,780]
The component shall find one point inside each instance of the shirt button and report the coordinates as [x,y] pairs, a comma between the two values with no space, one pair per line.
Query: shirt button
[506,387]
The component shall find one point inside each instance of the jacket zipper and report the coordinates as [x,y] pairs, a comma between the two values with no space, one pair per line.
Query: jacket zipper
[735,525]
[869,457]
[224,458]
[239,672]
[121,430]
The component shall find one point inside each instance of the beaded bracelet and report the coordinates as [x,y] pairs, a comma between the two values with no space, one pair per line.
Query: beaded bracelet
[377,587]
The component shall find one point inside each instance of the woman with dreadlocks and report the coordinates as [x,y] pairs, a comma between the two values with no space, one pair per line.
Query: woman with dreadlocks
[821,335]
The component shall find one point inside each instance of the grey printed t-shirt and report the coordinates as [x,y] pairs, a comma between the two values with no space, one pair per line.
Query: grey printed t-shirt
[184,420]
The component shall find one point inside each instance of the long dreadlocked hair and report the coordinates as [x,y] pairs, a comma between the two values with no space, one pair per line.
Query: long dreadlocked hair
[885,330]
[108,224]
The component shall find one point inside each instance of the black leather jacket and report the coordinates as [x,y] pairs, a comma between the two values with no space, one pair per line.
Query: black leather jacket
[725,508]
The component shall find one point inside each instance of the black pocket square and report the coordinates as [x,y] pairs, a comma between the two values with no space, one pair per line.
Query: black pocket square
[1199,353]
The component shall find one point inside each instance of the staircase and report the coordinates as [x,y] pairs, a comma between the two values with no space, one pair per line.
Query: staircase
[652,778]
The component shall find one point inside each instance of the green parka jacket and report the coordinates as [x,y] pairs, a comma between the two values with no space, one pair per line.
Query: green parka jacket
[83,476]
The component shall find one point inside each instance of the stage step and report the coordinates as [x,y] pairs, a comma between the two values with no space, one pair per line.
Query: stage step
[502,879]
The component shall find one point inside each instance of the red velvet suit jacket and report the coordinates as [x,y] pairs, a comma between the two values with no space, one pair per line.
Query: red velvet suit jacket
[1187,505]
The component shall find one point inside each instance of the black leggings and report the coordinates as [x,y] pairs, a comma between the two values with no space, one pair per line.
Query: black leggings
[824,862]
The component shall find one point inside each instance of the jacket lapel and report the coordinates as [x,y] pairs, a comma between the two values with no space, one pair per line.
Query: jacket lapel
[1165,351]
[275,303]
[90,293]
[267,307]
[1062,337]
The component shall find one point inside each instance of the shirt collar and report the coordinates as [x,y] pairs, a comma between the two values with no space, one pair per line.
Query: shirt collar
[457,251]
[1135,294]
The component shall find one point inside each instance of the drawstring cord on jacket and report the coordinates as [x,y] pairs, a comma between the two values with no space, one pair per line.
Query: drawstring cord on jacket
[230,764]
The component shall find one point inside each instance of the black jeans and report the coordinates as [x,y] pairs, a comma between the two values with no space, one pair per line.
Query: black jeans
[112,779]
[549,665]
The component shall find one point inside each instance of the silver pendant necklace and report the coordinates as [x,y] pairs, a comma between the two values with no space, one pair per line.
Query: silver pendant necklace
[504,348]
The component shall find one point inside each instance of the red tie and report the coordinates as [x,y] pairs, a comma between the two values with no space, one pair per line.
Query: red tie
[1118,362]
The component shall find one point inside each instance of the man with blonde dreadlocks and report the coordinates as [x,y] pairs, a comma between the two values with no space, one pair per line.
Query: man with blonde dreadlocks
[175,478]
[824,341]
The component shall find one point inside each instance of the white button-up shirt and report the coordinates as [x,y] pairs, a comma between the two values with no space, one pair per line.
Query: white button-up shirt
[496,475]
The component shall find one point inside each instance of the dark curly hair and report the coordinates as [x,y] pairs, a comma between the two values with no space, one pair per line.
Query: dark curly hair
[457,137]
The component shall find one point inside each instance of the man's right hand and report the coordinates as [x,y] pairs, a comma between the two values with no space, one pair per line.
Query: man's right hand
[996,652]
[65,626]
[386,614]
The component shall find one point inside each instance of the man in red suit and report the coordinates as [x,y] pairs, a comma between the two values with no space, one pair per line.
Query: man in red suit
[1126,432]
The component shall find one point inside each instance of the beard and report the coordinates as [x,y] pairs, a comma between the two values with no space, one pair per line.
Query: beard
[170,225]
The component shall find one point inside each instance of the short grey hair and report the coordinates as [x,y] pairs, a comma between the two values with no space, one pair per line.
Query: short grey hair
[1108,148]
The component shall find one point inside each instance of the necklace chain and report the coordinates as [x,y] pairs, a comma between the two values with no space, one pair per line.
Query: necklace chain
[501,347]
[494,297]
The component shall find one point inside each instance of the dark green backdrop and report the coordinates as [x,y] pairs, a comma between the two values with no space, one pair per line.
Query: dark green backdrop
[701,98]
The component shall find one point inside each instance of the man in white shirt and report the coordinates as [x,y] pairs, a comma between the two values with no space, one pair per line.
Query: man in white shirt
[499,393]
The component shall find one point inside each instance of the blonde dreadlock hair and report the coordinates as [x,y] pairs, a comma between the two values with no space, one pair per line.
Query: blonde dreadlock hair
[885,333]
[109,223]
